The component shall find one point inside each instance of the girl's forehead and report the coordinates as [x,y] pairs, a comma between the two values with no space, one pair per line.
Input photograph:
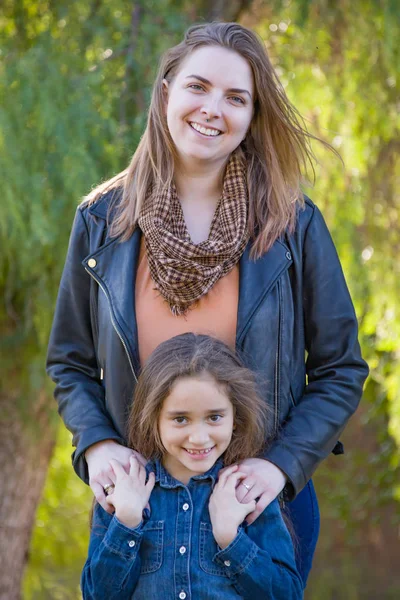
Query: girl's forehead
[201,393]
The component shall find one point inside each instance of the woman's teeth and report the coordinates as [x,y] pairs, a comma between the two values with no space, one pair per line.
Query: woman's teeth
[204,130]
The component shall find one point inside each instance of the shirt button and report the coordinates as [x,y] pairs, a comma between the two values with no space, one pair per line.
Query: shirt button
[182,595]
[185,506]
[182,549]
[131,543]
[227,563]
[288,256]
[92,262]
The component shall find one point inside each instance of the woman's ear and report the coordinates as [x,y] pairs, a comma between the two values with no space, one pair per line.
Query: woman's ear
[165,88]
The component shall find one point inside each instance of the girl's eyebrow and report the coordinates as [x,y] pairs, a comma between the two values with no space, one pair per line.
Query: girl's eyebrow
[174,413]
[234,90]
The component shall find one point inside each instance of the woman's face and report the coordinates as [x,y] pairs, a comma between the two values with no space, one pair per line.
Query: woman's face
[213,83]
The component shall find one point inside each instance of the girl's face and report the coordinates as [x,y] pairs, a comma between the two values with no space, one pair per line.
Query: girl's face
[213,83]
[195,426]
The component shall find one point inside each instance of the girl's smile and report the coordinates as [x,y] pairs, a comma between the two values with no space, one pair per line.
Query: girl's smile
[199,453]
[195,426]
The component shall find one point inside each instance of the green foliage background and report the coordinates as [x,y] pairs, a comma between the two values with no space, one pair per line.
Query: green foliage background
[74,87]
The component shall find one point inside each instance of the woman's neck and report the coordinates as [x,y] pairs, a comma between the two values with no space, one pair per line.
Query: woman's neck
[199,191]
[200,183]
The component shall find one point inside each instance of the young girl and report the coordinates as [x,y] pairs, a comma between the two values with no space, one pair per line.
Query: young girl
[178,530]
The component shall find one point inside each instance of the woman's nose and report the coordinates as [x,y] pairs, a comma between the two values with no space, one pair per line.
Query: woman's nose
[212,108]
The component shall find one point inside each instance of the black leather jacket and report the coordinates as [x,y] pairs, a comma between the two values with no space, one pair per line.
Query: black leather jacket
[292,301]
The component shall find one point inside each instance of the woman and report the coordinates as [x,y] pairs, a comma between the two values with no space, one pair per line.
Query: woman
[208,231]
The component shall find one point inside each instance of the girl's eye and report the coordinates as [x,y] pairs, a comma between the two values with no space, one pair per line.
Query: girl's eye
[215,418]
[196,86]
[180,420]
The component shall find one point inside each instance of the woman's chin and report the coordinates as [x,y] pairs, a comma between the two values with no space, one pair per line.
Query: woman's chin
[203,155]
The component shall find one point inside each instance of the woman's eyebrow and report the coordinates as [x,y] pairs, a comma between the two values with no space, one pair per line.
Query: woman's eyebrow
[235,90]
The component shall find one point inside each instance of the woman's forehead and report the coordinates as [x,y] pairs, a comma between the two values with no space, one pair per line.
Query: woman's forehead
[218,65]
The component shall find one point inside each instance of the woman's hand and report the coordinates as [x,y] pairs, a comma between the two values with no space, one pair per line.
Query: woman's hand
[131,492]
[263,480]
[98,459]
[226,512]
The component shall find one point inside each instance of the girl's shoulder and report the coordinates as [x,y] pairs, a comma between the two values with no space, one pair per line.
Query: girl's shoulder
[273,510]
[269,526]
[100,519]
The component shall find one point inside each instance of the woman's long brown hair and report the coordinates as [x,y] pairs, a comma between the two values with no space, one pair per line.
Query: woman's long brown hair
[276,149]
[191,355]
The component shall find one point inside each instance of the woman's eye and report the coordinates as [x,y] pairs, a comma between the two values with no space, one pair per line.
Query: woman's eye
[196,86]
[215,418]
[237,99]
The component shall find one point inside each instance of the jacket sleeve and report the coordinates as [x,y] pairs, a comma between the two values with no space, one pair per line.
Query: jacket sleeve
[260,561]
[71,358]
[334,367]
[112,568]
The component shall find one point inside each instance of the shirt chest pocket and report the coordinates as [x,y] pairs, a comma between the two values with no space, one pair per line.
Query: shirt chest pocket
[152,546]
[207,551]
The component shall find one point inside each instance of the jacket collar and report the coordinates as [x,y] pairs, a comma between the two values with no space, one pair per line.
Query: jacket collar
[102,206]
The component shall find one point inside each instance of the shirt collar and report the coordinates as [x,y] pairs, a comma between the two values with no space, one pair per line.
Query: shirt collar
[167,481]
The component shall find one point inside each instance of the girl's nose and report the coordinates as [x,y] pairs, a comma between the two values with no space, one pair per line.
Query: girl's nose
[199,436]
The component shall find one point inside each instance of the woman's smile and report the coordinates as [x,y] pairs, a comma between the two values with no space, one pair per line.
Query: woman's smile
[204,130]
[212,93]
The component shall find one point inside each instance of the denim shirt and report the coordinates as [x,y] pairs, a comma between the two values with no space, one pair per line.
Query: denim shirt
[172,553]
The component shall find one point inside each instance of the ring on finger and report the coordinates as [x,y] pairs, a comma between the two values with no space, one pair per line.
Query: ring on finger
[108,488]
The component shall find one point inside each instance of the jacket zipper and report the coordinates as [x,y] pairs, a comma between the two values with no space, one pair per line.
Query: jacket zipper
[277,359]
[114,323]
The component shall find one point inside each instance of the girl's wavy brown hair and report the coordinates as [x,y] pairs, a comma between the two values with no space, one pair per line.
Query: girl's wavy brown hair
[276,149]
[191,355]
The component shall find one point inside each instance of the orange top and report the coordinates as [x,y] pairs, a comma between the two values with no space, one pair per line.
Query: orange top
[214,314]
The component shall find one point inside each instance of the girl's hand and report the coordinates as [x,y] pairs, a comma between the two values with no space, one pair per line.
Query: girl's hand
[98,459]
[263,480]
[131,493]
[226,512]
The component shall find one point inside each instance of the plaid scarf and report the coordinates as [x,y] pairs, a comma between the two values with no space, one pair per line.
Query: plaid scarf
[182,271]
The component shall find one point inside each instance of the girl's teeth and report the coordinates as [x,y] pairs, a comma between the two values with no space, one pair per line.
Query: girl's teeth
[199,451]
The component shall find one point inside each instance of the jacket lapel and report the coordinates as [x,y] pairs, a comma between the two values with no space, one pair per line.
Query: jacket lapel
[256,280]
[114,266]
